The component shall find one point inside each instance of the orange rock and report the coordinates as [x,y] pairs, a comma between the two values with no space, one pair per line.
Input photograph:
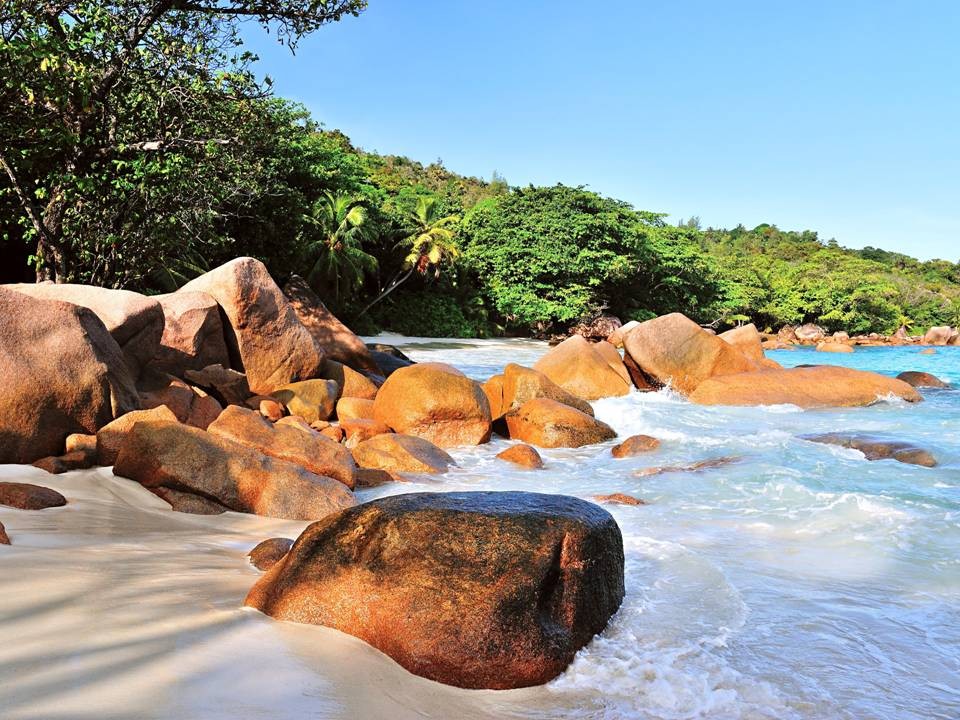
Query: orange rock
[336,339]
[579,368]
[228,386]
[401,453]
[521,384]
[374,477]
[265,336]
[359,429]
[833,347]
[310,399]
[82,442]
[269,552]
[609,352]
[175,457]
[522,455]
[921,379]
[619,499]
[134,321]
[270,409]
[476,590]
[110,436]
[352,384]
[191,405]
[493,389]
[436,402]
[674,350]
[193,336]
[62,373]
[746,339]
[352,408]
[548,423]
[27,496]
[75,460]
[4,538]
[806,387]
[310,450]
[333,432]
[635,445]
[295,421]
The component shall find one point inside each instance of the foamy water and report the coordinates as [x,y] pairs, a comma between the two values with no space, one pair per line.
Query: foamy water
[799,582]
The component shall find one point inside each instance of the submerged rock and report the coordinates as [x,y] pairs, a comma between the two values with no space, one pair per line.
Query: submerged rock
[477,590]
[582,369]
[922,379]
[550,424]
[673,350]
[877,448]
[619,499]
[27,496]
[269,552]
[635,445]
[522,455]
[833,347]
[266,339]
[698,466]
[806,387]
[181,458]
[436,402]
[62,372]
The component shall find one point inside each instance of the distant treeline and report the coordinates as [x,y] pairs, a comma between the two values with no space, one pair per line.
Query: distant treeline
[137,149]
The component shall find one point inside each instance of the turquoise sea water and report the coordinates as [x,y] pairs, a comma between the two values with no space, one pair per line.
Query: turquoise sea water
[800,581]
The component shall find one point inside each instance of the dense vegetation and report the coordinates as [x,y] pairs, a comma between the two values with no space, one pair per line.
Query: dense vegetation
[138,148]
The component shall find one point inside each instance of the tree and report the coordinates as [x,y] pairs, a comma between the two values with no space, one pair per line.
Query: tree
[337,227]
[430,244]
[128,124]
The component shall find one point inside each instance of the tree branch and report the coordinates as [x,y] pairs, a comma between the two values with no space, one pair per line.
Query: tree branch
[33,212]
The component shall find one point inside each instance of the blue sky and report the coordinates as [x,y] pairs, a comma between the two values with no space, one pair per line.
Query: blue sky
[842,117]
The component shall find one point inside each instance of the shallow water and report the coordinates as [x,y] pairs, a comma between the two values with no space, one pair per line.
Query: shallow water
[799,582]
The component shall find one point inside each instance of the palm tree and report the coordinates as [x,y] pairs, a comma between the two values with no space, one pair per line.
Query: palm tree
[430,243]
[338,226]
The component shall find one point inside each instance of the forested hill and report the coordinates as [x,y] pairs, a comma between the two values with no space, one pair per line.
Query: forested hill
[124,165]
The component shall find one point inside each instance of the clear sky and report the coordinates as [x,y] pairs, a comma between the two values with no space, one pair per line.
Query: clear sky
[842,117]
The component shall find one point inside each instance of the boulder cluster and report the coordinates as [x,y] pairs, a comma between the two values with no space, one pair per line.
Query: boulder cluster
[234,394]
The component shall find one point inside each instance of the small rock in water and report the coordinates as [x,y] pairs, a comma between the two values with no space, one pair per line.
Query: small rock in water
[26,496]
[522,455]
[928,351]
[693,467]
[269,552]
[922,379]
[4,538]
[76,460]
[875,448]
[491,590]
[619,499]
[635,445]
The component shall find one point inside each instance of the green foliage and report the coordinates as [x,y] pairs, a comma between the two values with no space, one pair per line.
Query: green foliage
[427,314]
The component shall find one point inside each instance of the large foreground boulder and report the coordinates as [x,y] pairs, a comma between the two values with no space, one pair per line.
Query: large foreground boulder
[193,335]
[550,424]
[266,339]
[307,448]
[169,456]
[61,373]
[806,387]
[135,321]
[585,370]
[477,590]
[436,402]
[337,340]
[674,350]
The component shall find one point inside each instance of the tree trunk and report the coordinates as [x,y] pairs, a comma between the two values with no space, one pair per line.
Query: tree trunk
[393,286]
